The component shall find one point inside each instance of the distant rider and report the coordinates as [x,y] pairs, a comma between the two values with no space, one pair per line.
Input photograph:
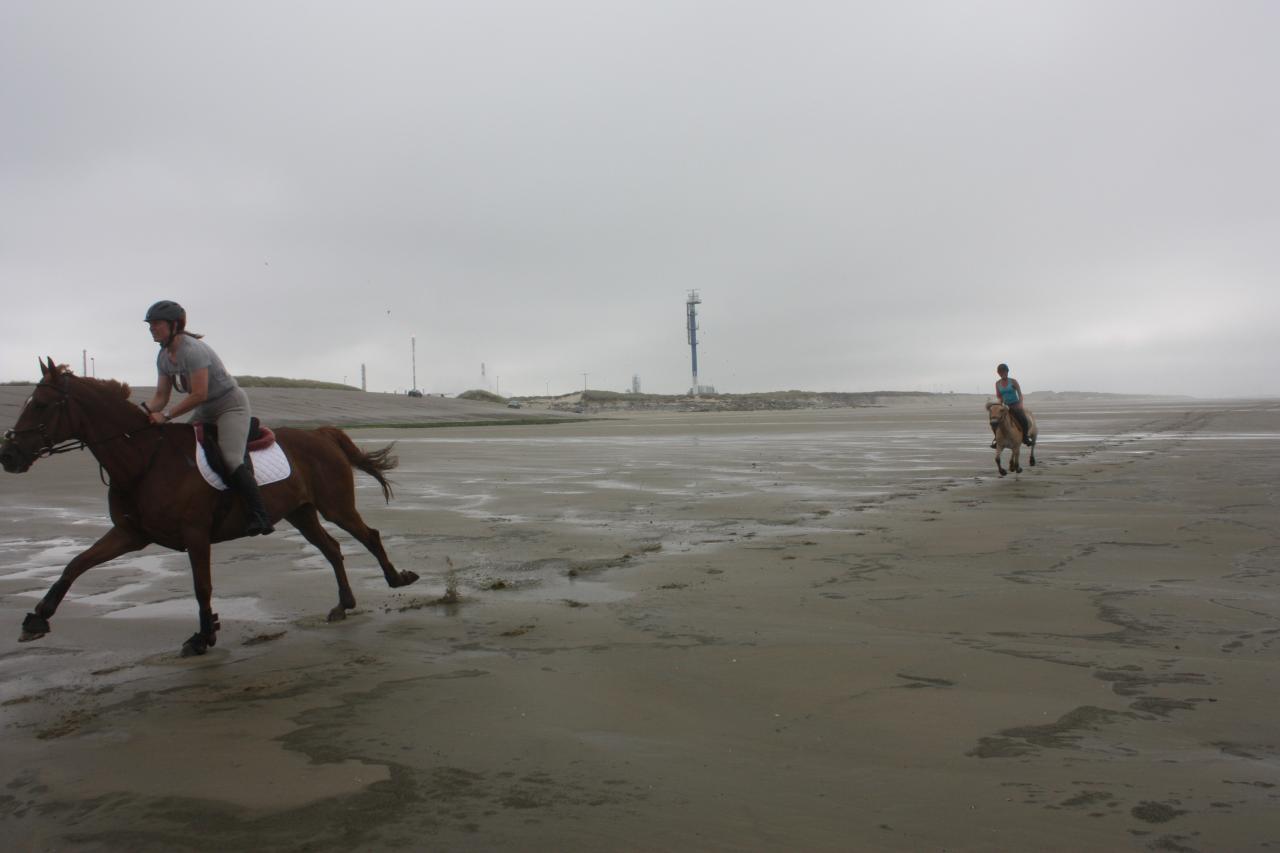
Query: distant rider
[213,397]
[1010,393]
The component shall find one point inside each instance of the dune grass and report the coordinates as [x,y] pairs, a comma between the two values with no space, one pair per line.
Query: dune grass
[282,382]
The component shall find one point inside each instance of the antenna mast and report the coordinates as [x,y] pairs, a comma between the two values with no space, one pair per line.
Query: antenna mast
[691,309]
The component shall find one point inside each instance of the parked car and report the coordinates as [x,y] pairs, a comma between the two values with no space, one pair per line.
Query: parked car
[415,393]
[514,404]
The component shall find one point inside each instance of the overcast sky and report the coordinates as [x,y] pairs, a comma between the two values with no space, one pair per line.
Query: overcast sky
[890,195]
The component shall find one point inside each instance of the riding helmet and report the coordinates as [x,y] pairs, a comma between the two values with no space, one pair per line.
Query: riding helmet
[166,310]
[1003,367]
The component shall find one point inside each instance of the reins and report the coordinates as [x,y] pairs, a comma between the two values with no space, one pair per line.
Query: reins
[52,449]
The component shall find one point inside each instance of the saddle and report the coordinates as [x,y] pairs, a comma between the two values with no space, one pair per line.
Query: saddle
[260,438]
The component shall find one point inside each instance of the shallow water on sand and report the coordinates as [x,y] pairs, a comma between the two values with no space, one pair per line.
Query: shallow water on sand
[673,630]
[475,504]
[696,482]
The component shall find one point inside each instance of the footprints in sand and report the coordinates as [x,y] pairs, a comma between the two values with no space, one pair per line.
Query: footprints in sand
[917,682]
[1067,732]
[1133,680]
[1089,734]
[1252,642]
[1108,799]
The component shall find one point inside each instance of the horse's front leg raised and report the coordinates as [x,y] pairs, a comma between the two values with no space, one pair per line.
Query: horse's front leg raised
[198,551]
[116,541]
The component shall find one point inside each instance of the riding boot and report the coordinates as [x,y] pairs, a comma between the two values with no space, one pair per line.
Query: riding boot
[243,483]
[1026,430]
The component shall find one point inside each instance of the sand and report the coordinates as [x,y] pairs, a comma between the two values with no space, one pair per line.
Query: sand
[834,630]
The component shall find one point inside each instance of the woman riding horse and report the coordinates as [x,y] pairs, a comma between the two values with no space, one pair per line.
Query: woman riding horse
[1010,393]
[156,495]
[213,397]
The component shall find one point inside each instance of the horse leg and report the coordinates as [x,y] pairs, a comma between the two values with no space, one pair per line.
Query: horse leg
[116,541]
[198,552]
[999,466]
[308,523]
[1032,460]
[1015,456]
[350,521]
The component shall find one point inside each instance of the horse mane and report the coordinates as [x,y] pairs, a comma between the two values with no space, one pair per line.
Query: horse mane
[119,389]
[114,387]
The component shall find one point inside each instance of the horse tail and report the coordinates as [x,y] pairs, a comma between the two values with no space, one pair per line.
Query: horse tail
[373,463]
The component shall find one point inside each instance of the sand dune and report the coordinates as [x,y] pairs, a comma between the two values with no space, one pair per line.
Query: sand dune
[301,406]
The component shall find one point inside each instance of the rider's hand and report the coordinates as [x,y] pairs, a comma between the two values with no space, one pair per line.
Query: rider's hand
[158,417]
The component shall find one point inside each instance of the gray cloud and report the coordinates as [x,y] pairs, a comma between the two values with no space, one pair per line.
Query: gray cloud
[867,195]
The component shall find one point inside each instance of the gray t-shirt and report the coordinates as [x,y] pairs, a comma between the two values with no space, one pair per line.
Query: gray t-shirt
[194,354]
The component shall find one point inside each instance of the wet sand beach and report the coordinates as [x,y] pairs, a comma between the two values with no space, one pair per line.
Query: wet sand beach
[801,630]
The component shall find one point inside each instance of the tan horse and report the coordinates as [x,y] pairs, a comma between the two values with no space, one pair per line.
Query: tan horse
[1009,435]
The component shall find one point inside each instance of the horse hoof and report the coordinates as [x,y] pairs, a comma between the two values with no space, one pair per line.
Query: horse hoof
[195,645]
[1003,473]
[33,628]
[407,577]
[337,614]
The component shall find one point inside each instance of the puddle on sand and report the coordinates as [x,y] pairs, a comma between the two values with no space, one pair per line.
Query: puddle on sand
[560,588]
[242,609]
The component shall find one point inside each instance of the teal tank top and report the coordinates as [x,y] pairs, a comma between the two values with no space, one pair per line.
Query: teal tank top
[1008,394]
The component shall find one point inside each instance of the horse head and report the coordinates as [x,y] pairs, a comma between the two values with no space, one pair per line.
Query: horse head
[996,410]
[43,423]
[54,418]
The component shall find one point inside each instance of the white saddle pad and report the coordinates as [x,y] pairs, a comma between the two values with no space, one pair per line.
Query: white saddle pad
[269,466]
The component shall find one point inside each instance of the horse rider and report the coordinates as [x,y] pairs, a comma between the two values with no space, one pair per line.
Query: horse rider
[213,397]
[1010,393]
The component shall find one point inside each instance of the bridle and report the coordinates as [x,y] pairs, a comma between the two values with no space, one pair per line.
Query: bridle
[48,446]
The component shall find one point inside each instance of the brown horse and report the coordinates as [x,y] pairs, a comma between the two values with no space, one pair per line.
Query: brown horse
[1009,435]
[157,495]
